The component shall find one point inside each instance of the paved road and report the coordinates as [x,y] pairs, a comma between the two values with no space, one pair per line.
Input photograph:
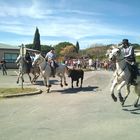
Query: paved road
[66,114]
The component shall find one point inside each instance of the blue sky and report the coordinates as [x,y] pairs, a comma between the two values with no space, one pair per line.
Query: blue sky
[86,21]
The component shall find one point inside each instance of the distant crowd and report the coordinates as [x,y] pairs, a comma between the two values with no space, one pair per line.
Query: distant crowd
[90,64]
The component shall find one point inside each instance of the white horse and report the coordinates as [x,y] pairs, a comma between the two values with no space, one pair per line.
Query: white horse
[46,71]
[120,76]
[23,69]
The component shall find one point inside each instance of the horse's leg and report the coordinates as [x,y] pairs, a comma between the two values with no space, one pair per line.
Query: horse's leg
[30,77]
[136,102]
[49,85]
[81,82]
[137,91]
[33,80]
[72,83]
[119,91]
[36,77]
[61,81]
[77,82]
[18,78]
[112,90]
[65,83]
[59,75]
[127,93]
[22,78]
[45,83]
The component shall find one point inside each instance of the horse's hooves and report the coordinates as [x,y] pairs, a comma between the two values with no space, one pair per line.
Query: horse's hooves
[49,85]
[114,97]
[61,85]
[66,84]
[121,99]
[122,103]
[48,90]
[136,105]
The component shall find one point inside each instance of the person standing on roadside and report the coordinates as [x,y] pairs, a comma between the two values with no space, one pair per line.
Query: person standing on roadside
[3,67]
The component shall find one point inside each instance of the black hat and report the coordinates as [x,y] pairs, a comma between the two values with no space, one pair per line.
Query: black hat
[125,41]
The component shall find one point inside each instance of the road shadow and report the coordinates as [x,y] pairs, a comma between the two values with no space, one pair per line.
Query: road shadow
[76,90]
[41,83]
[135,110]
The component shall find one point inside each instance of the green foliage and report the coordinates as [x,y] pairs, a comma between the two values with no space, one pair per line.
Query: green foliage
[30,46]
[36,41]
[60,46]
[95,52]
[5,91]
[136,46]
[138,59]
[45,49]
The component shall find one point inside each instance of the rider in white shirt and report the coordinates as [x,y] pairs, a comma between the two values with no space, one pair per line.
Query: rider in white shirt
[51,58]
[130,60]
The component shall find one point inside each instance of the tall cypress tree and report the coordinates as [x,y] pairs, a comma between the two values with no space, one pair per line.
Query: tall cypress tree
[36,42]
[77,47]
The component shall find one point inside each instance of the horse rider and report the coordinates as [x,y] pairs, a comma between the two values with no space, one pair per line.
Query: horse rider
[28,61]
[130,60]
[51,59]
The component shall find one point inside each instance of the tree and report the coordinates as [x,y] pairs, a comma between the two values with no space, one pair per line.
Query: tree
[60,46]
[30,46]
[45,49]
[36,41]
[77,47]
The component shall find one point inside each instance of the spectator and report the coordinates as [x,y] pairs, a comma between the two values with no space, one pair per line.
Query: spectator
[3,67]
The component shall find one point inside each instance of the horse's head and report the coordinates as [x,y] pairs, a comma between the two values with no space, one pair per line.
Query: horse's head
[114,54]
[38,59]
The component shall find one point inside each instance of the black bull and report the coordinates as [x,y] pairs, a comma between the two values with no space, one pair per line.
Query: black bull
[75,75]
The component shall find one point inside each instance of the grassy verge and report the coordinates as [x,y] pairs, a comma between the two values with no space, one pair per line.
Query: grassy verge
[138,59]
[10,91]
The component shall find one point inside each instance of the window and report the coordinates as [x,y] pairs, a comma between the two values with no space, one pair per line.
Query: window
[10,57]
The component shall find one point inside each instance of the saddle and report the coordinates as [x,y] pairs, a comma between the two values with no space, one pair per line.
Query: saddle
[53,68]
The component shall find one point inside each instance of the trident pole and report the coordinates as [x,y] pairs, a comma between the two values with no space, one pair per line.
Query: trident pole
[22,57]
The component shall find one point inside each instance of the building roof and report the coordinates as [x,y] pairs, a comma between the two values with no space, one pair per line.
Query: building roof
[7,46]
